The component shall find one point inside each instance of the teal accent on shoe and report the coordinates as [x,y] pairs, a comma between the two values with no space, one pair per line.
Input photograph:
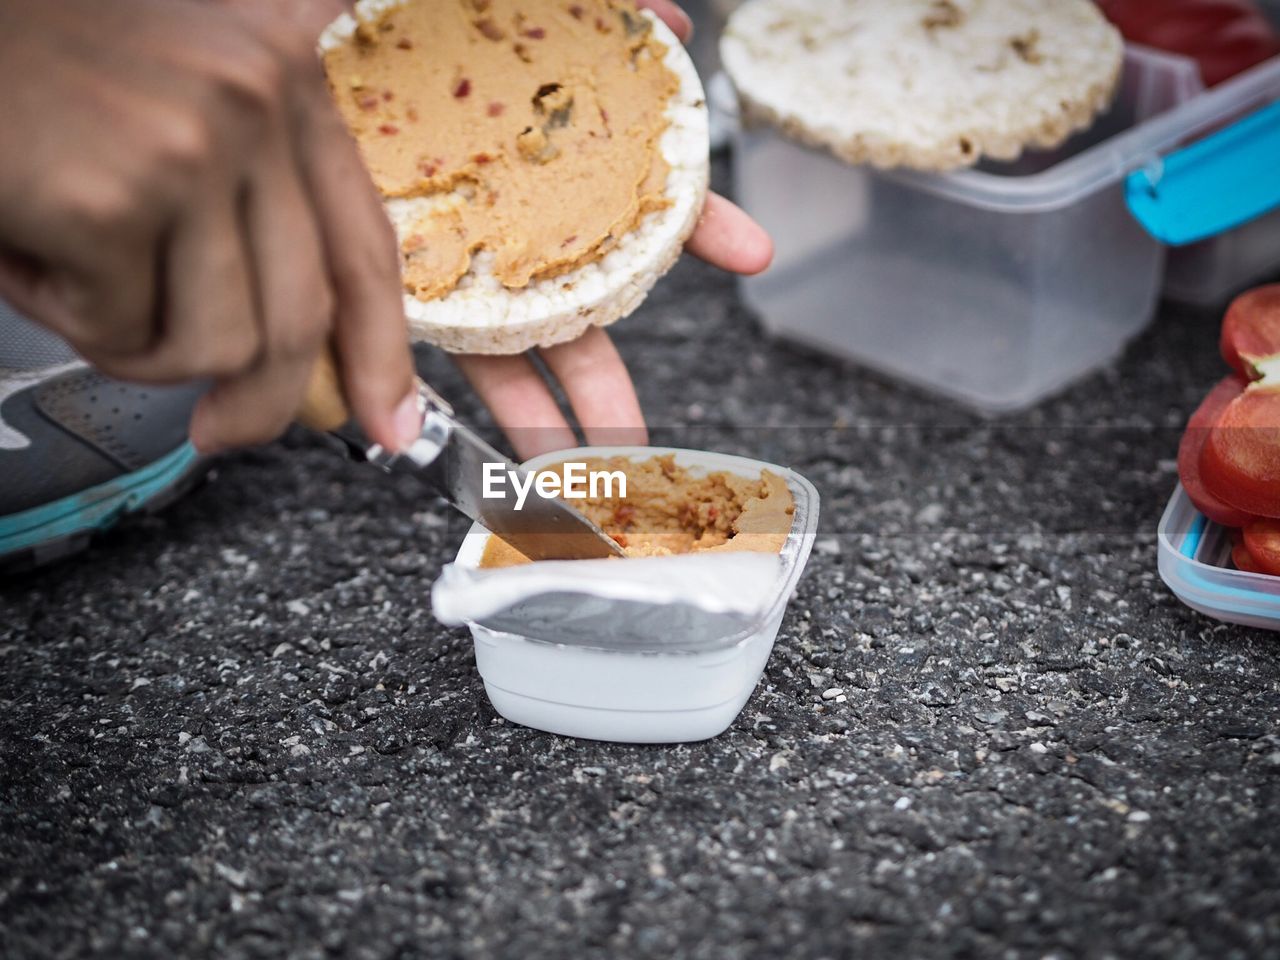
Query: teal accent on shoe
[96,508]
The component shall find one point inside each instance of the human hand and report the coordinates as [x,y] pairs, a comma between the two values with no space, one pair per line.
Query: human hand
[589,369]
[179,199]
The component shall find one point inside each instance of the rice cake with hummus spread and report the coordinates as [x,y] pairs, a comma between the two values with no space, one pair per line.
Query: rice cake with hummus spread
[672,510]
[542,161]
[929,84]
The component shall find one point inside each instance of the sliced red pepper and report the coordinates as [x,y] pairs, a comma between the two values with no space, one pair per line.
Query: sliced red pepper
[1251,330]
[1236,47]
[1240,462]
[1224,37]
[1262,543]
[1244,560]
[1192,445]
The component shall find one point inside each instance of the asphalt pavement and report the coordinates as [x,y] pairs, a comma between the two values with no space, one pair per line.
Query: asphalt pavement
[235,729]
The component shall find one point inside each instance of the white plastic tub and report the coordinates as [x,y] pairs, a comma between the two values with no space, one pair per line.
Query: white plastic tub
[671,682]
[1195,563]
[1001,284]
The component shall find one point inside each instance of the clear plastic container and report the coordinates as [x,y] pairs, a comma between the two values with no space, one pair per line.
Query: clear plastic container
[1195,562]
[628,671]
[1001,284]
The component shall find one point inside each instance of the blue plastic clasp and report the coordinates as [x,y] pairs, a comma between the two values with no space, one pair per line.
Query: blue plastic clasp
[1214,185]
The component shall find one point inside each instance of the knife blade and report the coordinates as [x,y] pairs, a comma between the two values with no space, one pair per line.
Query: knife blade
[449,458]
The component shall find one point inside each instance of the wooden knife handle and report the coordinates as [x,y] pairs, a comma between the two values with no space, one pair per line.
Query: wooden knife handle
[324,407]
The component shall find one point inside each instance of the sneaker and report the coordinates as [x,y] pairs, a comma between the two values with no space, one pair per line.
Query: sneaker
[79,451]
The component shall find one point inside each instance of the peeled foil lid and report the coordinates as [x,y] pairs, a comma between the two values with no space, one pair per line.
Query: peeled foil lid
[689,603]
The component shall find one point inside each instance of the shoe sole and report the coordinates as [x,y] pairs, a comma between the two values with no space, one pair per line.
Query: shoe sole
[51,532]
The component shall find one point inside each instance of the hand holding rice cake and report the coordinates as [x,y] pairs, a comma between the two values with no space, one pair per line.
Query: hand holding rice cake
[542,161]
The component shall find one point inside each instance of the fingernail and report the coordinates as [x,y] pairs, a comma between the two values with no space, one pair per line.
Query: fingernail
[407,420]
[688,21]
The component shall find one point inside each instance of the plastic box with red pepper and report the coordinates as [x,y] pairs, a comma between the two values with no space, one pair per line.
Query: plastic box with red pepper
[1195,562]
[1220,535]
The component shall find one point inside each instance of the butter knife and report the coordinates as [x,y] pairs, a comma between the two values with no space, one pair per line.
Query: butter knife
[449,459]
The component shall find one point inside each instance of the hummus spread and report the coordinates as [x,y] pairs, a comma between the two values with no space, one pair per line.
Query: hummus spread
[526,128]
[670,510]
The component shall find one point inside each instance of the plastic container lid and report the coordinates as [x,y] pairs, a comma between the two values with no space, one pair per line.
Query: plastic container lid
[1195,557]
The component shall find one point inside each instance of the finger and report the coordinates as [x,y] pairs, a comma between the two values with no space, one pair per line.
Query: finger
[671,15]
[726,237]
[363,260]
[520,401]
[243,411]
[106,312]
[210,325]
[295,306]
[88,275]
[599,389]
[82,246]
[26,286]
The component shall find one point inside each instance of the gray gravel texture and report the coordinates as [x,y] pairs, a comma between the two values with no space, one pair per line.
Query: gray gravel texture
[236,730]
